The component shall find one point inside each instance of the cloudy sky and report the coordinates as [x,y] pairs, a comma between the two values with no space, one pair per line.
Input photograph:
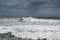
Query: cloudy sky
[30,7]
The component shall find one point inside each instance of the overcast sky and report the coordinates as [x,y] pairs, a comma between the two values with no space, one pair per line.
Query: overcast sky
[30,7]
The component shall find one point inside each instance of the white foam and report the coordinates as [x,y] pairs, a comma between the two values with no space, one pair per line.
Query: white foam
[33,31]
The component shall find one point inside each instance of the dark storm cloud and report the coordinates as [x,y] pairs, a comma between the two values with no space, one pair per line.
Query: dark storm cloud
[30,7]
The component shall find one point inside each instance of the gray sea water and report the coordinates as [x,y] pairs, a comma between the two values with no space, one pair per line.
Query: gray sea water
[31,27]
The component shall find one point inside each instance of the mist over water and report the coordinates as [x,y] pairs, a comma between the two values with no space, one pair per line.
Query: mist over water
[29,27]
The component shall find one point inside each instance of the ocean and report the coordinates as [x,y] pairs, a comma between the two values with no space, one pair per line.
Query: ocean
[29,27]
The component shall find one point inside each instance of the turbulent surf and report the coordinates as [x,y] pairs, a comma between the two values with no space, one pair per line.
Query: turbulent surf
[29,27]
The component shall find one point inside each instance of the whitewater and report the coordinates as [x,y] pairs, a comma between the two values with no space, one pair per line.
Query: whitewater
[29,27]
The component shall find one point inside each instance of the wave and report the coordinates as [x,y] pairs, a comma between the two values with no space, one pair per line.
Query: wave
[29,27]
[35,19]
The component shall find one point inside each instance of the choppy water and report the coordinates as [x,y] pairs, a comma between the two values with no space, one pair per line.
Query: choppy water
[31,27]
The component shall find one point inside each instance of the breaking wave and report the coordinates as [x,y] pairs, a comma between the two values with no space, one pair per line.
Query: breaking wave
[29,27]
